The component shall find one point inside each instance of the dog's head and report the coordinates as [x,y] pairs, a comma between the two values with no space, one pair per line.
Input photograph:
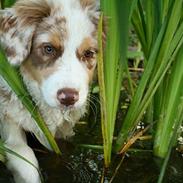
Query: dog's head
[55,41]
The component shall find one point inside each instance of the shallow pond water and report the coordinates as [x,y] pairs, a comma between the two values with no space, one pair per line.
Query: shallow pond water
[83,165]
[79,165]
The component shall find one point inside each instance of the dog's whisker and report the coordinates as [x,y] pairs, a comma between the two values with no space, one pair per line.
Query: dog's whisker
[94,110]
[90,100]
[95,98]
[92,103]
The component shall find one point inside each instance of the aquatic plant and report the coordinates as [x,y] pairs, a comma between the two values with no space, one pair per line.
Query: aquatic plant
[160,45]
[115,65]
[157,97]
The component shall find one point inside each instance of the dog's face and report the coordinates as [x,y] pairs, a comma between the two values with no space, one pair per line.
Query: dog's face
[56,43]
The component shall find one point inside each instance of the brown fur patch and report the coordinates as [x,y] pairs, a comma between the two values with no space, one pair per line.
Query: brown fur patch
[58,32]
[55,31]
[87,3]
[60,20]
[55,27]
[88,44]
[95,21]
[5,94]
[40,59]
[10,52]
[15,34]
[37,73]
[32,11]
[7,23]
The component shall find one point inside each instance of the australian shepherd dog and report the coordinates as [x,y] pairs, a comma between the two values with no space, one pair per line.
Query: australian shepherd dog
[54,42]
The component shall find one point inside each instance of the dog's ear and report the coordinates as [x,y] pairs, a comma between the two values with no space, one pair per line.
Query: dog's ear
[17,27]
[15,37]
[88,3]
[93,8]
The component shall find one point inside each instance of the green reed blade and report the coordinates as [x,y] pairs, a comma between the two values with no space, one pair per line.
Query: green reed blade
[169,111]
[117,13]
[6,3]
[12,77]
[158,62]
[129,123]
[100,68]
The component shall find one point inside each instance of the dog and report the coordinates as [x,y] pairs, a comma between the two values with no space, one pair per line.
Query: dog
[54,42]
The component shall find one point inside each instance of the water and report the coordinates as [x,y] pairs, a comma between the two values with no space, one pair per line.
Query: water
[81,165]
[85,166]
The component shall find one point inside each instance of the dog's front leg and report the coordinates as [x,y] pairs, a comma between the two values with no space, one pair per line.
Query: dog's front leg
[15,140]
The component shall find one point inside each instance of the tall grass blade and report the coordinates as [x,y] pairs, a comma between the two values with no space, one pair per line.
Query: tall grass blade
[11,76]
[100,68]
[166,45]
[117,13]
[6,3]
[129,122]
[173,139]
[167,124]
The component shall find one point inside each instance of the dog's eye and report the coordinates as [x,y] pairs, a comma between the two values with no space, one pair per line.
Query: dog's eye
[89,54]
[49,49]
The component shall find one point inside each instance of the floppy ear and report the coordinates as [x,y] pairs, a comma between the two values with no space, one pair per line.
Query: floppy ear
[14,37]
[17,27]
[88,3]
[93,8]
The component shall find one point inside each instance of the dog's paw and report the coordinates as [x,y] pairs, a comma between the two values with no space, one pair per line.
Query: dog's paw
[23,171]
[28,178]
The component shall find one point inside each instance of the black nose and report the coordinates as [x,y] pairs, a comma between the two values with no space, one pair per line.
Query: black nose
[67,96]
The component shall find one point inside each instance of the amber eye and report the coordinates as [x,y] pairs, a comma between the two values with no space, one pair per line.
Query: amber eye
[49,49]
[89,54]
